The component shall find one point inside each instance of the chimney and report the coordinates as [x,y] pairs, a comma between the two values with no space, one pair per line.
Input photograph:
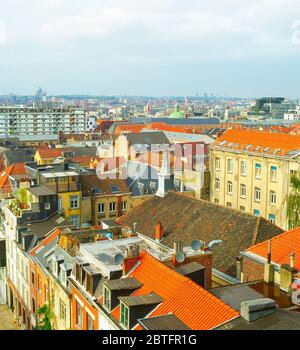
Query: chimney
[178,248]
[269,268]
[292,260]
[159,231]
[287,274]
[131,257]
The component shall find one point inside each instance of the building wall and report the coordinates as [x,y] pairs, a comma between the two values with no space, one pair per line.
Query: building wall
[249,204]
[107,214]
[252,270]
[59,297]
[87,309]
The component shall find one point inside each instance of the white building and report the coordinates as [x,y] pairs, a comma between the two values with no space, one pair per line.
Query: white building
[19,120]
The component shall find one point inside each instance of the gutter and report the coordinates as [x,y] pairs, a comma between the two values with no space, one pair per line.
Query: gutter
[225,277]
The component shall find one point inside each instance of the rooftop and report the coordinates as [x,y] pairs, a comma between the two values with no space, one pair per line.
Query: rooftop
[281,248]
[186,219]
[272,144]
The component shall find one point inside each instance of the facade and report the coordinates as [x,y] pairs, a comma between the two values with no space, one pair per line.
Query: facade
[250,172]
[39,121]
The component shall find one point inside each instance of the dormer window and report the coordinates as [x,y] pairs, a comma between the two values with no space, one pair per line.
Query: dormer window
[107,298]
[124,316]
[64,278]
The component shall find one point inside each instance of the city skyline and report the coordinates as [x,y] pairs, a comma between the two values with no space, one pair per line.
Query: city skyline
[171,48]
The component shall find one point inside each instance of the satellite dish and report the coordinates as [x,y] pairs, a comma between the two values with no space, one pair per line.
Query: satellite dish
[180,257]
[119,258]
[196,245]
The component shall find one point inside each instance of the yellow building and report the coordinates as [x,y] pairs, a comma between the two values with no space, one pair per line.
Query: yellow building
[60,268]
[250,171]
[64,181]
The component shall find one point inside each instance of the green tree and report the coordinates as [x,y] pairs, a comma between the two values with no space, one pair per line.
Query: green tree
[293,202]
[45,322]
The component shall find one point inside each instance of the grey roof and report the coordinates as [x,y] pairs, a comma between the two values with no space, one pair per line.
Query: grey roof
[42,228]
[123,284]
[188,121]
[281,319]
[148,138]
[234,295]
[137,300]
[19,156]
[35,138]
[189,268]
[163,323]
[40,191]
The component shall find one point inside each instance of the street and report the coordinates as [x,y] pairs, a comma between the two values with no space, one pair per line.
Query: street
[7,321]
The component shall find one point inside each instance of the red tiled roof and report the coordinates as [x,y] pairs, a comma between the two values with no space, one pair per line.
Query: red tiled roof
[129,128]
[189,302]
[241,138]
[15,169]
[281,248]
[50,153]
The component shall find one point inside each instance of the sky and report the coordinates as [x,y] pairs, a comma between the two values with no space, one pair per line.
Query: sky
[157,47]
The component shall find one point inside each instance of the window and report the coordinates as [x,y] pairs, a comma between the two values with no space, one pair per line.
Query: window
[273,174]
[112,206]
[273,197]
[78,315]
[242,208]
[243,191]
[74,202]
[272,218]
[243,168]
[32,278]
[229,205]
[62,310]
[107,298]
[229,166]
[101,208]
[217,164]
[256,212]
[89,322]
[124,206]
[124,316]
[75,220]
[257,194]
[257,171]
[229,187]
[217,184]
[47,206]
[217,201]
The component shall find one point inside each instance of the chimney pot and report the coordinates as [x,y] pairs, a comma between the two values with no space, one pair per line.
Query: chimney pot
[159,232]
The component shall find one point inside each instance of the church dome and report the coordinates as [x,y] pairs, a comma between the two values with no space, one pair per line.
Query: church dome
[177,114]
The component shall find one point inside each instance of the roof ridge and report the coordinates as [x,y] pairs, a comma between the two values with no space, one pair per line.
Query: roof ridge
[274,238]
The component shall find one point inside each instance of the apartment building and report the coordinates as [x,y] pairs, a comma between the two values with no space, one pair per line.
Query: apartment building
[250,172]
[18,120]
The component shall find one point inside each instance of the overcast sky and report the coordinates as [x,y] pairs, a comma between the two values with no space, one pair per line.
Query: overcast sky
[153,47]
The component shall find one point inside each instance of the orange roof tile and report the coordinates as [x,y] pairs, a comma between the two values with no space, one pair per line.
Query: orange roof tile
[15,169]
[281,248]
[199,311]
[49,153]
[259,138]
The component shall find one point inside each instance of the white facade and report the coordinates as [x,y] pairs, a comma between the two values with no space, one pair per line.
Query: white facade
[35,121]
